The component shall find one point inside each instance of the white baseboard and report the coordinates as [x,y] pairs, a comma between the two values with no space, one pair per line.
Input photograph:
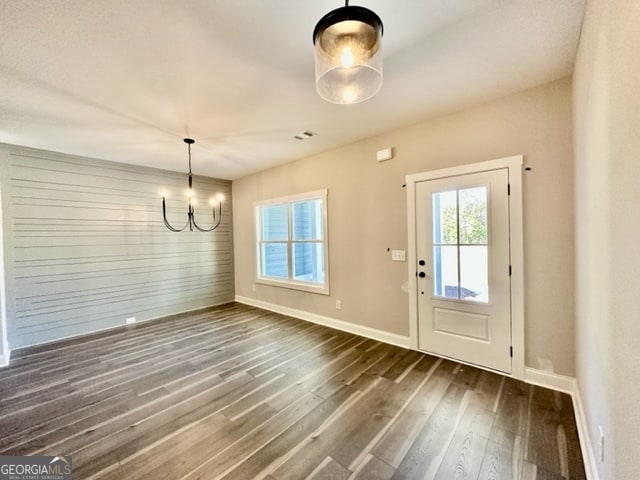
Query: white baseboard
[373,333]
[115,327]
[588,454]
[551,380]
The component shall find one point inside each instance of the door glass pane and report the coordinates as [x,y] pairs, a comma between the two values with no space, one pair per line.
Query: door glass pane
[445,271]
[474,274]
[473,215]
[445,221]
[275,224]
[307,220]
[308,262]
[274,260]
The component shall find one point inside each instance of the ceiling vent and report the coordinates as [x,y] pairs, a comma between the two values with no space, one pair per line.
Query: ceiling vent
[304,135]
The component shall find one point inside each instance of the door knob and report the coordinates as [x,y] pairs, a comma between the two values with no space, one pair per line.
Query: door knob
[422,263]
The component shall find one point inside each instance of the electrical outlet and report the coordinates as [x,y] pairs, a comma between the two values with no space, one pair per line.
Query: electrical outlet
[130,320]
[601,443]
[338,305]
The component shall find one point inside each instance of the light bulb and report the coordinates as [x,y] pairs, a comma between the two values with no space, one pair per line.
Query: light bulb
[349,94]
[190,193]
[163,193]
[213,202]
[220,197]
[346,59]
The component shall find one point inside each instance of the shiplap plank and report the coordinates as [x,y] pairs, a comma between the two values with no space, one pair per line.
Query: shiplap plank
[86,248]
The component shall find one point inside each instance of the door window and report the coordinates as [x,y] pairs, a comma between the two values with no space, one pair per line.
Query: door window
[460,244]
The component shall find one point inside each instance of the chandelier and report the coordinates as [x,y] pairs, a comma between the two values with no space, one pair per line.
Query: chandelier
[191,213]
[348,54]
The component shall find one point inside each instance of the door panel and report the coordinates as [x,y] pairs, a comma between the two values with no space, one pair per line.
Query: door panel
[462,240]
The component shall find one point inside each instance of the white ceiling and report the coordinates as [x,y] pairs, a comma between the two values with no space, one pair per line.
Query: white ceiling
[126,80]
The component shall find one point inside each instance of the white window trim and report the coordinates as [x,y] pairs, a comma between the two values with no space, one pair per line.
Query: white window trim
[290,283]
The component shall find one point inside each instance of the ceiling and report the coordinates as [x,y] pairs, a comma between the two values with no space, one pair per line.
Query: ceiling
[126,80]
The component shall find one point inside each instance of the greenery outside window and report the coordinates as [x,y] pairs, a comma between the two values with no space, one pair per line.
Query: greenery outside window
[291,242]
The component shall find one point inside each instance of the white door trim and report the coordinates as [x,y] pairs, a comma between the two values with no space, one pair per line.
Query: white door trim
[514,166]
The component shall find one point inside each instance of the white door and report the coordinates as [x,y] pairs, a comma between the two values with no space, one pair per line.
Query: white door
[463,268]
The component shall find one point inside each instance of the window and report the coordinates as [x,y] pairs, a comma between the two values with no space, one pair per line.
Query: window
[291,242]
[460,244]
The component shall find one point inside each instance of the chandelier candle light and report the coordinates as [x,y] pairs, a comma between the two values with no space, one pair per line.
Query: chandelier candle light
[348,54]
[191,213]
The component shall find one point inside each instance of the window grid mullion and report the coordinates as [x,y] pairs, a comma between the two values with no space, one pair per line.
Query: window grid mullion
[458,240]
[289,237]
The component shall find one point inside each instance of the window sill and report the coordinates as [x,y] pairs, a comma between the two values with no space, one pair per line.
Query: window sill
[301,286]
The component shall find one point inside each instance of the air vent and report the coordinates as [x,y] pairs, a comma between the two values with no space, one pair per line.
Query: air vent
[304,135]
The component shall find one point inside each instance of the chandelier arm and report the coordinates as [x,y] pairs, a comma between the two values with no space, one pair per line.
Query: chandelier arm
[191,219]
[166,222]
[216,223]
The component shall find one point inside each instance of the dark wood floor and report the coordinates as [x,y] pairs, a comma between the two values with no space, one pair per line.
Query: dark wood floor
[241,393]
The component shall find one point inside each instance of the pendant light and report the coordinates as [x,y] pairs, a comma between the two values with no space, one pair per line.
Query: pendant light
[191,213]
[348,54]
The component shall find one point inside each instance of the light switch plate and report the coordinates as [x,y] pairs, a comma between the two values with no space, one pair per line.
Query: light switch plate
[398,255]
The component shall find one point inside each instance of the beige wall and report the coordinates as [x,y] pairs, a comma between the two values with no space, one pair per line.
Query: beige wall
[607,175]
[367,214]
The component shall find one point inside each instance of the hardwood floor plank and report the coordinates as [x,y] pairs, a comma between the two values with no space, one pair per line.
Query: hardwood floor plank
[253,440]
[329,469]
[177,465]
[489,387]
[396,442]
[465,452]
[318,372]
[513,408]
[372,468]
[498,462]
[397,395]
[350,374]
[153,456]
[262,458]
[431,442]
[53,431]
[101,431]
[553,445]
[408,358]
[323,441]
[160,426]
[235,392]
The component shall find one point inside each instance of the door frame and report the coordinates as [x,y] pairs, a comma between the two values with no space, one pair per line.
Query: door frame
[516,248]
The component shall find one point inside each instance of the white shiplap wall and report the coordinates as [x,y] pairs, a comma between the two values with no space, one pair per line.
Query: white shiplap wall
[85,246]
